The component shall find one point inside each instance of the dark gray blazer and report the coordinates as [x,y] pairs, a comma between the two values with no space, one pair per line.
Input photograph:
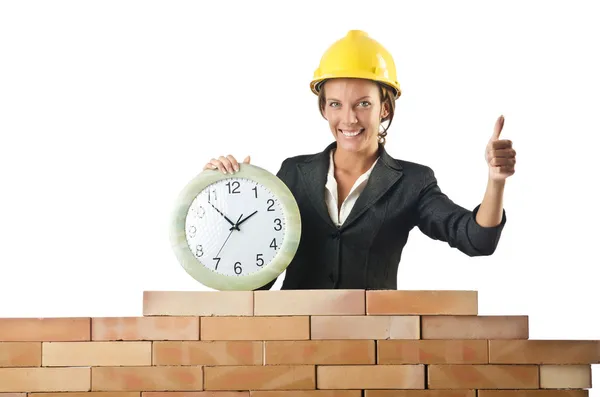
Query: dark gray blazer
[364,253]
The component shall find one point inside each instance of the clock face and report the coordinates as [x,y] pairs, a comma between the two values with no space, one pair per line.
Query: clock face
[235,226]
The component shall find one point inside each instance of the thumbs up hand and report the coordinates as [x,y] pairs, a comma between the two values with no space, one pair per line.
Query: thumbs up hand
[500,155]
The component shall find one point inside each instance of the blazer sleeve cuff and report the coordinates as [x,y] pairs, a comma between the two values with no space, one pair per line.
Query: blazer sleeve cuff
[485,239]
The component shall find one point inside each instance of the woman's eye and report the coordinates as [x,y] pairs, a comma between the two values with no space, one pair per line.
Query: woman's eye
[365,103]
[333,104]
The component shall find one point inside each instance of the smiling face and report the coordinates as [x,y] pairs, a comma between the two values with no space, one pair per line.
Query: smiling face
[354,111]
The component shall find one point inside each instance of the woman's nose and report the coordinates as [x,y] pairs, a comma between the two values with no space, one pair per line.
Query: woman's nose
[350,116]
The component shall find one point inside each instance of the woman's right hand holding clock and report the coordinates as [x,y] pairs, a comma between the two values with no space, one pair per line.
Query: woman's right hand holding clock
[225,164]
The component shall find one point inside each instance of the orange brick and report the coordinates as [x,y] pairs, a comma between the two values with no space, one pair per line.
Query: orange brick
[87,394]
[432,352]
[20,354]
[565,376]
[44,329]
[208,353]
[320,352]
[306,393]
[309,302]
[392,302]
[364,327]
[371,377]
[44,379]
[198,303]
[73,354]
[278,377]
[532,393]
[487,376]
[254,328]
[172,378]
[544,351]
[474,327]
[145,328]
[420,393]
[194,394]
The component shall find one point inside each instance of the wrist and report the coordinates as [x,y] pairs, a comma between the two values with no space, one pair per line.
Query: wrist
[496,184]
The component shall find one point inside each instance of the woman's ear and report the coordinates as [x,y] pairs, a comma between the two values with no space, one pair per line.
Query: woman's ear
[385,110]
[323,114]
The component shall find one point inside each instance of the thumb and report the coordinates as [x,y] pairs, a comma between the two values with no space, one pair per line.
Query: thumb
[498,128]
[247,160]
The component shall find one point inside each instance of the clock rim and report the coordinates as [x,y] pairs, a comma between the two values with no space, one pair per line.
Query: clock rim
[268,273]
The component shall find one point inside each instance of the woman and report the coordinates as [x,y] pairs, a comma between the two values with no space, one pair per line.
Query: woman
[357,203]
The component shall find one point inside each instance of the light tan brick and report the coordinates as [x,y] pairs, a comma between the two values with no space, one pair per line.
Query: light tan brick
[20,354]
[73,354]
[364,327]
[278,377]
[87,394]
[145,328]
[254,328]
[44,329]
[198,303]
[13,394]
[487,376]
[393,302]
[544,351]
[163,378]
[565,376]
[309,302]
[44,379]
[208,353]
[306,393]
[420,393]
[371,377]
[474,327]
[532,393]
[195,394]
[432,352]
[320,352]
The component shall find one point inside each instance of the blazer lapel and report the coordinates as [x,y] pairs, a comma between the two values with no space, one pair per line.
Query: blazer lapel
[385,174]
[313,173]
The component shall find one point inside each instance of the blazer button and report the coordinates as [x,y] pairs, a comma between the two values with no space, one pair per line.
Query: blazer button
[336,235]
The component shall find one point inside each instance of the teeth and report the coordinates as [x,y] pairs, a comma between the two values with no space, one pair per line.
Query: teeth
[351,133]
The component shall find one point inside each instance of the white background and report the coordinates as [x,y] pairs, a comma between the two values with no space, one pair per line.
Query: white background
[108,108]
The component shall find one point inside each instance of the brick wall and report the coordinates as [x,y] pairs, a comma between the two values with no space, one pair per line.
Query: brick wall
[327,343]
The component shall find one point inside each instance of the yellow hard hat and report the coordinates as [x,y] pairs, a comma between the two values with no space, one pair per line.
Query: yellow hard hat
[357,56]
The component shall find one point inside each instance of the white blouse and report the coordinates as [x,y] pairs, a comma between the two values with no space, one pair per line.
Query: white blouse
[331,193]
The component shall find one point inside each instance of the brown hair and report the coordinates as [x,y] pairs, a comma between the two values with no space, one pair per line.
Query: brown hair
[386,95]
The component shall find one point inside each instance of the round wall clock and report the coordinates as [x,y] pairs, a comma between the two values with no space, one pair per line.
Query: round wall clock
[235,232]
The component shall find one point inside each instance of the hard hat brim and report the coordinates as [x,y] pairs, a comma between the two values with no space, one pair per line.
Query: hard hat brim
[317,82]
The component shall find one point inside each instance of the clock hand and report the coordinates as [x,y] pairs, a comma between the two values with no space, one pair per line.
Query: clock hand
[237,225]
[230,231]
[224,216]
